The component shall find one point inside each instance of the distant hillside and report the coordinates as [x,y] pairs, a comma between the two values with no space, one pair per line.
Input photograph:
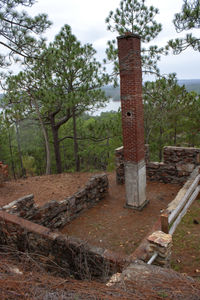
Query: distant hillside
[190,85]
[112,92]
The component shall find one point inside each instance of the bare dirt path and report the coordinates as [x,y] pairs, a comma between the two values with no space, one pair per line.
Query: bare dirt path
[110,225]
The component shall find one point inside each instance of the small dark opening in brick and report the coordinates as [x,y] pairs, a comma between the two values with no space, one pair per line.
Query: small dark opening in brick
[128,114]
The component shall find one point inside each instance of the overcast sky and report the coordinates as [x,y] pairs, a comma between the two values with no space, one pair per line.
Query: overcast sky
[87,20]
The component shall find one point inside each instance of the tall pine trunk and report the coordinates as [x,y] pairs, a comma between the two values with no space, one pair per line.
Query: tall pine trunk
[160,143]
[11,154]
[56,145]
[23,172]
[76,155]
[175,134]
[45,135]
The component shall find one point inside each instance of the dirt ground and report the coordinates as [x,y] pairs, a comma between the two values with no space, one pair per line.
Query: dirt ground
[45,188]
[22,278]
[108,224]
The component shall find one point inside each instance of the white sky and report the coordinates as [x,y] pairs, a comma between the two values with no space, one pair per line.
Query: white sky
[87,20]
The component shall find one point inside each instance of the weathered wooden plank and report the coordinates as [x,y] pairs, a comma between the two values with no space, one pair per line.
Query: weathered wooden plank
[164,222]
[180,206]
[184,211]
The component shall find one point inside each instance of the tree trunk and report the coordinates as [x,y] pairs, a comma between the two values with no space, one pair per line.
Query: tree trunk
[76,155]
[56,145]
[160,144]
[23,174]
[45,135]
[65,158]
[56,142]
[175,135]
[11,154]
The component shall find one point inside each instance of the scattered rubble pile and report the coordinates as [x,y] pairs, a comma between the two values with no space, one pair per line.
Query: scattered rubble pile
[56,214]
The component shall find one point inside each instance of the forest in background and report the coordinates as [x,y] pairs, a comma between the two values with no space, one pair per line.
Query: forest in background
[171,118]
[46,120]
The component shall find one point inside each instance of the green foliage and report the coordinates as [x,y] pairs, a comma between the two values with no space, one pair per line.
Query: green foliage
[163,294]
[18,29]
[62,84]
[187,19]
[75,73]
[171,118]
[170,115]
[98,137]
[53,93]
[29,165]
[135,17]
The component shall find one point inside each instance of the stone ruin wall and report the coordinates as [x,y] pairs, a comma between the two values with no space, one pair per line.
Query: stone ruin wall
[178,166]
[65,255]
[178,163]
[60,254]
[56,214]
[22,229]
[57,253]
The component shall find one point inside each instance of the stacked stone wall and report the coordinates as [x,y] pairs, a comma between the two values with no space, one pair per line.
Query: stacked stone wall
[56,214]
[62,255]
[178,164]
[160,243]
[187,156]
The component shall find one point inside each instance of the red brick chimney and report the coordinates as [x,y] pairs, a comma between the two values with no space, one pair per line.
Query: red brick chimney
[132,119]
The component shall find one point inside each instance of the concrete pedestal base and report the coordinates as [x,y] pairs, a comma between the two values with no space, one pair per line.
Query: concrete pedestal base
[139,208]
[135,183]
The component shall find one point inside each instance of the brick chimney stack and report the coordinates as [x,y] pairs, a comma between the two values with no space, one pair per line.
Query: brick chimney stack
[132,119]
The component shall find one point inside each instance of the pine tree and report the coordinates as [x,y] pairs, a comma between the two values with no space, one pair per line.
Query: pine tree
[187,19]
[18,30]
[135,17]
